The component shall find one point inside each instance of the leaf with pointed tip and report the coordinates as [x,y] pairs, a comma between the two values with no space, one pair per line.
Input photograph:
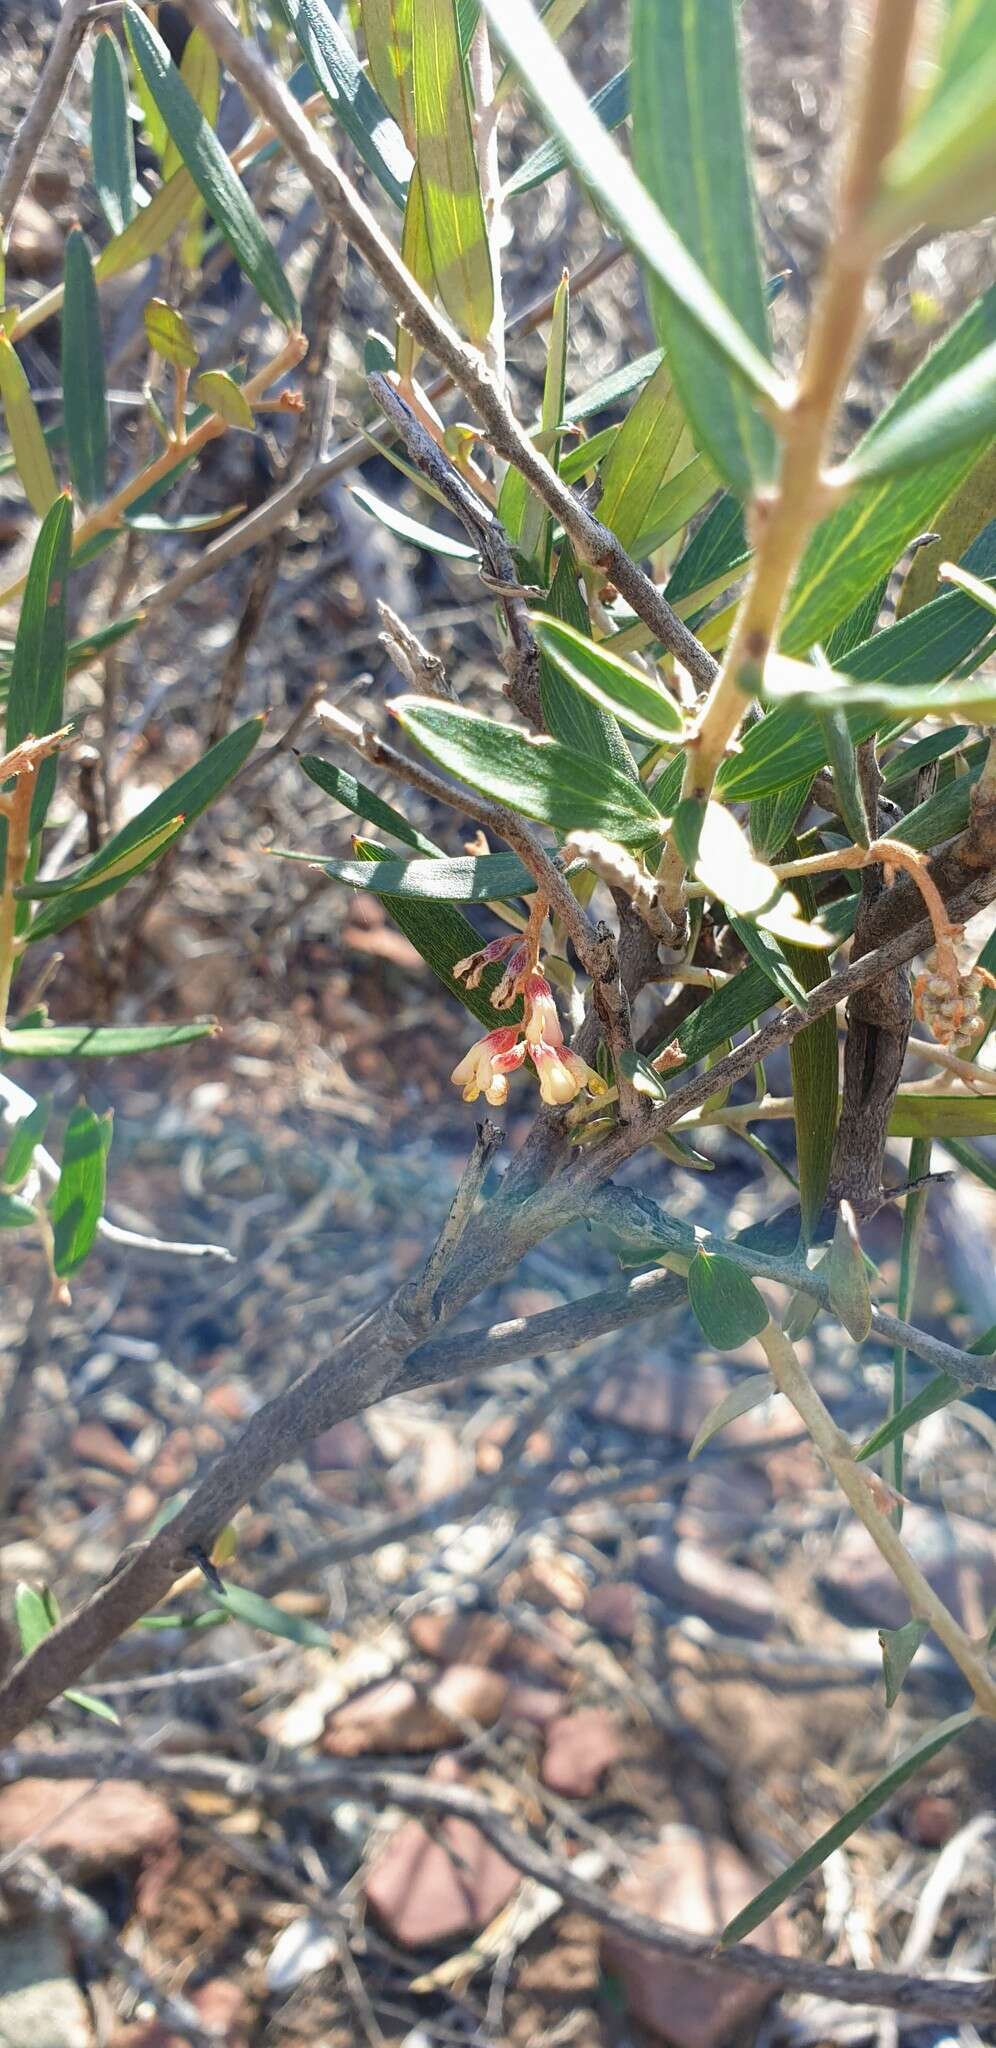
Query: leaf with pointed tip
[150,229]
[850,1297]
[364,803]
[129,862]
[101,1041]
[28,1132]
[442,936]
[242,1604]
[536,524]
[30,449]
[471,878]
[569,715]
[412,529]
[224,195]
[959,413]
[625,692]
[641,454]
[168,333]
[83,383]
[537,777]
[748,1393]
[38,666]
[892,1781]
[611,105]
[725,1302]
[387,32]
[77,1204]
[689,148]
[16,1213]
[899,1647]
[112,143]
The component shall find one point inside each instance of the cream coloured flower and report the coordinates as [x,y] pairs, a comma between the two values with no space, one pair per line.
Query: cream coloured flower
[483,1069]
[542,1021]
[563,1073]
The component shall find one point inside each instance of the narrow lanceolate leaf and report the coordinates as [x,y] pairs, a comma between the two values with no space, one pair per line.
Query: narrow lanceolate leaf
[38,668]
[201,74]
[245,1605]
[747,1394]
[36,1615]
[225,197]
[942,1116]
[83,382]
[538,777]
[876,1797]
[726,1304]
[943,169]
[689,148]
[718,550]
[609,682]
[447,167]
[536,526]
[481,878]
[127,863]
[149,230]
[28,1132]
[938,1393]
[960,413]
[681,495]
[32,460]
[914,1218]
[442,936]
[641,454]
[682,280]
[78,1202]
[412,529]
[899,1647]
[861,542]
[813,1058]
[184,799]
[568,714]
[365,803]
[101,1041]
[387,32]
[354,101]
[112,144]
[416,256]
[611,105]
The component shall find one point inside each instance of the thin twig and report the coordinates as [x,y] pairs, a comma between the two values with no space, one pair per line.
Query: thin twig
[490,1137]
[42,108]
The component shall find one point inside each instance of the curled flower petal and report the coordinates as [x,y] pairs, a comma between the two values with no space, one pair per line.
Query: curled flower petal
[542,1021]
[557,1082]
[483,1068]
[585,1076]
[508,987]
[471,969]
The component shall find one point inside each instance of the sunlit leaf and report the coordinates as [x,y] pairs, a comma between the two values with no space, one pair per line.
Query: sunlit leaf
[31,457]
[77,1204]
[447,167]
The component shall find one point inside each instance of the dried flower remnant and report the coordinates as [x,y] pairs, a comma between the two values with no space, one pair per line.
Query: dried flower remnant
[949,1003]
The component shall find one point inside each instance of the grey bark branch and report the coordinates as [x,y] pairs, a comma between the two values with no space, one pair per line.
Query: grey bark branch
[289,1783]
[42,110]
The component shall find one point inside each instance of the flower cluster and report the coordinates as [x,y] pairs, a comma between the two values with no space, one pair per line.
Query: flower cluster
[484,1070]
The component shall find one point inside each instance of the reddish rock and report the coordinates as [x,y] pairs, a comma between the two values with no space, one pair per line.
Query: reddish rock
[429,1887]
[115,1823]
[549,1581]
[932,1820]
[346,1447]
[466,1692]
[657,1401]
[723,1506]
[537,1705]
[580,1748]
[397,1716]
[228,1401]
[694,1883]
[615,1608]
[702,1582]
[454,1638]
[95,1444]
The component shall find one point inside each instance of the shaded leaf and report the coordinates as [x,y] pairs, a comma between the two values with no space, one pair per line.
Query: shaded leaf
[16,1213]
[100,1041]
[611,105]
[28,1132]
[83,384]
[748,1393]
[354,101]
[38,666]
[244,1605]
[471,878]
[412,529]
[112,145]
[568,714]
[850,1297]
[726,1304]
[638,462]
[536,524]
[77,1204]
[899,1647]
[150,229]
[364,802]
[442,936]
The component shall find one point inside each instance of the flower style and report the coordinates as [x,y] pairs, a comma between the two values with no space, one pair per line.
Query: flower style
[561,1072]
[483,1069]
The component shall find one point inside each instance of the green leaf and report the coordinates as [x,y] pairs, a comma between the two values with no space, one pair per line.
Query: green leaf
[387,32]
[215,388]
[443,936]
[843,761]
[567,714]
[99,868]
[150,229]
[100,1041]
[354,101]
[719,549]
[726,1304]
[28,1132]
[860,543]
[610,104]
[971,585]
[447,167]
[893,1779]
[416,256]
[538,777]
[167,332]
[245,1605]
[942,171]
[938,1393]
[609,682]
[610,390]
[629,206]
[36,1615]
[677,501]
[201,74]
[16,1213]
[77,1205]
[536,525]
[959,413]
[112,145]
[364,802]
[748,1393]
[914,1218]
[38,667]
[471,878]
[412,529]
[31,457]
[690,150]
[640,457]
[767,951]
[771,819]
[185,798]
[942,1116]
[83,383]
[223,194]
[899,1647]
[850,1297]
[813,1059]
